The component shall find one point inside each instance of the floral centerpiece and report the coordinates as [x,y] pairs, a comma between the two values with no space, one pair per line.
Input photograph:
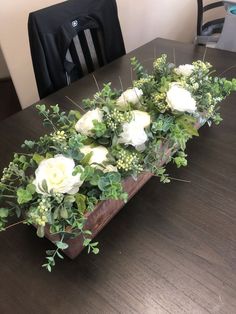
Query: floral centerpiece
[63,175]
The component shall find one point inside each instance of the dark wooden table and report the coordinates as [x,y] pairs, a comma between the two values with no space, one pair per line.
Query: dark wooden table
[172,249]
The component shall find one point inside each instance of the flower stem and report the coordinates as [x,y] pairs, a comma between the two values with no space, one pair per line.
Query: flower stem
[181,180]
[15,224]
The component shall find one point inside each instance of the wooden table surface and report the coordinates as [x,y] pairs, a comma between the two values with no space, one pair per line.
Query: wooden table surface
[171,249]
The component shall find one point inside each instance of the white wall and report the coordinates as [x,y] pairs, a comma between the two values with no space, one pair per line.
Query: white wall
[144,20]
[141,21]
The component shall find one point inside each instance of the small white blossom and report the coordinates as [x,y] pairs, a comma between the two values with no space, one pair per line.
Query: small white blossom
[130,96]
[179,99]
[184,69]
[57,173]
[85,124]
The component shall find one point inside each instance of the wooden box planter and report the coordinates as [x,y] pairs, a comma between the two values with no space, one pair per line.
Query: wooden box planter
[106,210]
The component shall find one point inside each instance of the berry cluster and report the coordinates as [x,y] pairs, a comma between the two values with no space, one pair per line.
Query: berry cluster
[58,136]
[128,161]
[116,117]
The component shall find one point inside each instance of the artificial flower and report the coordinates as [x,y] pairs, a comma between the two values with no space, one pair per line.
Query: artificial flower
[85,124]
[180,99]
[130,96]
[57,173]
[141,117]
[184,69]
[99,153]
[133,134]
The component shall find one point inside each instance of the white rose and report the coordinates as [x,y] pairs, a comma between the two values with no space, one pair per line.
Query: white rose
[141,117]
[184,69]
[180,99]
[132,96]
[57,173]
[99,154]
[133,134]
[85,124]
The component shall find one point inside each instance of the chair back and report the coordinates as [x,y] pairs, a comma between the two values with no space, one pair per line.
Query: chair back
[210,19]
[71,39]
[85,53]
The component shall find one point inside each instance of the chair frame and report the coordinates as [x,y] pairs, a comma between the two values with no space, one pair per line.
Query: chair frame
[214,23]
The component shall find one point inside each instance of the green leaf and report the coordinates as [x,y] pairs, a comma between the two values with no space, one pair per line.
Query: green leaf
[37,158]
[80,200]
[48,155]
[4,212]
[23,196]
[44,186]
[50,252]
[61,245]
[187,123]
[74,115]
[28,144]
[59,255]
[69,199]
[40,231]
[95,250]
[31,188]
[64,213]
[86,159]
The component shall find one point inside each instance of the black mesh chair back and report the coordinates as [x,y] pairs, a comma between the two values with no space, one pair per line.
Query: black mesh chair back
[71,39]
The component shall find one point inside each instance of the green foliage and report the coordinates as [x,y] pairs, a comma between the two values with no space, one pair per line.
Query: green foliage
[99,128]
[138,68]
[4,213]
[23,196]
[180,160]
[111,187]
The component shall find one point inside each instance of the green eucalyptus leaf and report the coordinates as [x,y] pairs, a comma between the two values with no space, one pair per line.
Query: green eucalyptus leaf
[23,196]
[31,188]
[37,158]
[4,212]
[62,245]
[80,200]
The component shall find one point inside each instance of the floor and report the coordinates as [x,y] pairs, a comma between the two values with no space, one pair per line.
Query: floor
[9,102]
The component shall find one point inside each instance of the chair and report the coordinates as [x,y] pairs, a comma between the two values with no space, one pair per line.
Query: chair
[210,21]
[227,40]
[71,39]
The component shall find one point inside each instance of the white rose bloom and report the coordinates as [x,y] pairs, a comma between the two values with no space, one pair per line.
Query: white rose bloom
[57,172]
[85,124]
[142,118]
[180,99]
[184,69]
[133,134]
[99,153]
[132,96]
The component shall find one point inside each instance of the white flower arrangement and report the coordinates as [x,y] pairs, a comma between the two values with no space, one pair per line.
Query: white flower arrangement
[61,177]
